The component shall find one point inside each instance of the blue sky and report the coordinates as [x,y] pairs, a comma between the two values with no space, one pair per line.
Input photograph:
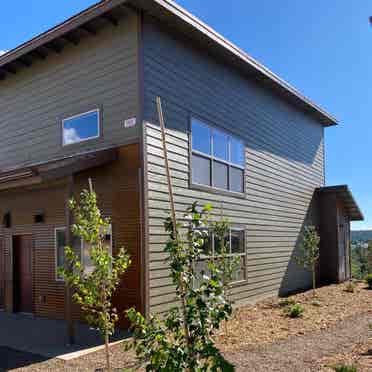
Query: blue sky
[323,48]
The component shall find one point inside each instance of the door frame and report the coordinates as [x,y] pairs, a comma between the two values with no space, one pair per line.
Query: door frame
[2,269]
[14,235]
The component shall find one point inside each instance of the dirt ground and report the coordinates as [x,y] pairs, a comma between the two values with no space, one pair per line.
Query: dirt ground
[264,322]
[332,331]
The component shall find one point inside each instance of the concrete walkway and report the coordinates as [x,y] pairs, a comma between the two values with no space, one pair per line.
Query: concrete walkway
[43,337]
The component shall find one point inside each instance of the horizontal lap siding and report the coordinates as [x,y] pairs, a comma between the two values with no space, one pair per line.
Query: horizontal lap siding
[284,163]
[117,188]
[99,72]
[48,295]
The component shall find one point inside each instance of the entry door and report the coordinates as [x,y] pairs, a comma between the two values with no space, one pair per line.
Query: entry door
[22,256]
[2,274]
[341,253]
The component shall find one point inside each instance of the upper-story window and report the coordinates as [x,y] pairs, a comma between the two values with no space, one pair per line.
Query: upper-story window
[218,159]
[82,127]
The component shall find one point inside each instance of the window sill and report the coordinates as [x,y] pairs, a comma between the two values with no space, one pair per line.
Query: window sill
[82,142]
[213,190]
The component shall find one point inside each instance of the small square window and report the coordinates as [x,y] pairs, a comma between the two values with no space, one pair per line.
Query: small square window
[81,127]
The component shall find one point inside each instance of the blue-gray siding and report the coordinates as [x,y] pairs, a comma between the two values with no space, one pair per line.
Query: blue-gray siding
[284,162]
[99,72]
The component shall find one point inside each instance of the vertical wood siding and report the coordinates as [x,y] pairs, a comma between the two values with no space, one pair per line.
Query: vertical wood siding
[284,162]
[117,187]
[99,72]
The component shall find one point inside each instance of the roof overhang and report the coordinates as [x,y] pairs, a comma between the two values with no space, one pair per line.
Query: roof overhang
[72,30]
[57,169]
[343,194]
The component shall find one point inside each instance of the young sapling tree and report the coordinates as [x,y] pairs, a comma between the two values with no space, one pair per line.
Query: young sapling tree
[309,253]
[183,339]
[93,290]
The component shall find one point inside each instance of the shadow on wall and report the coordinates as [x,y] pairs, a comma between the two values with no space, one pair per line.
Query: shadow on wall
[214,91]
[296,277]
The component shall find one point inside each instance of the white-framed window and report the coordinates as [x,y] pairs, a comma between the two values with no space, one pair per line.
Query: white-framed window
[81,127]
[218,158]
[60,244]
[235,247]
[81,248]
[85,252]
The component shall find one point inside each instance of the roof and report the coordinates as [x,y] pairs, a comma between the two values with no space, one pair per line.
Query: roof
[110,11]
[343,193]
[56,169]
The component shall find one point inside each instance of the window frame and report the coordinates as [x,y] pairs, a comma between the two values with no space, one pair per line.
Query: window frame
[99,124]
[57,278]
[243,255]
[63,228]
[83,243]
[213,159]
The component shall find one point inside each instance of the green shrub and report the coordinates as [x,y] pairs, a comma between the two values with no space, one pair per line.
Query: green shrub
[369,281]
[345,368]
[287,302]
[316,303]
[350,287]
[295,311]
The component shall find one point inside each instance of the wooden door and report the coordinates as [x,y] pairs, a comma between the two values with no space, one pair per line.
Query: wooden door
[347,249]
[2,274]
[22,259]
[341,253]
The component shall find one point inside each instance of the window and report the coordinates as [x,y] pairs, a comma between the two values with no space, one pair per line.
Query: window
[218,159]
[81,248]
[85,249]
[81,127]
[60,244]
[234,245]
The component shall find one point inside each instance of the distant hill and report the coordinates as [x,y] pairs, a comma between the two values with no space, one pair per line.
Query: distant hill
[361,235]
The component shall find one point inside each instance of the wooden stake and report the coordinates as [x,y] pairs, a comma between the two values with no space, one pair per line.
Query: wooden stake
[90,184]
[169,179]
[173,212]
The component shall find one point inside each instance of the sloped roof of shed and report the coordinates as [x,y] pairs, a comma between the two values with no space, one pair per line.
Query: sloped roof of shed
[343,193]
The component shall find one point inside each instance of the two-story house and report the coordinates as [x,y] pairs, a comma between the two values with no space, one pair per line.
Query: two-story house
[79,102]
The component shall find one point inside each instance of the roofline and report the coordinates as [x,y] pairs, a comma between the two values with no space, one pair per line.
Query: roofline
[339,189]
[181,13]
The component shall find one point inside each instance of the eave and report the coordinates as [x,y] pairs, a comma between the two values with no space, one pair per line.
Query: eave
[85,23]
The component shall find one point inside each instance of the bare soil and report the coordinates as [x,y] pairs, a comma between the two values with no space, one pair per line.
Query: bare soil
[332,331]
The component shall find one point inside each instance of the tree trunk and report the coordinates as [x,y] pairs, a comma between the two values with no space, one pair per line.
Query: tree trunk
[314,281]
[107,351]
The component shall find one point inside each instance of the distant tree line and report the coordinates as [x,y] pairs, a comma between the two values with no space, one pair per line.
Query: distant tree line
[361,258]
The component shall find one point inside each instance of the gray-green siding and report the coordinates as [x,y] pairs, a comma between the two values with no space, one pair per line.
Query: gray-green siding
[284,162]
[99,72]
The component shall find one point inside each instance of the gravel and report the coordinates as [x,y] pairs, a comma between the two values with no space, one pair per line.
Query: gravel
[262,338]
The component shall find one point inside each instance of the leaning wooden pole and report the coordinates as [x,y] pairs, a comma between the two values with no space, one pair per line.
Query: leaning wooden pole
[169,179]
[173,209]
